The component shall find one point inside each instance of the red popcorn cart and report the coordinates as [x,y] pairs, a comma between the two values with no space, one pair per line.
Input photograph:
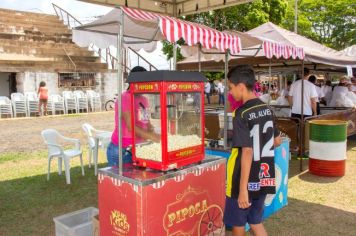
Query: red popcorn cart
[147,202]
[166,123]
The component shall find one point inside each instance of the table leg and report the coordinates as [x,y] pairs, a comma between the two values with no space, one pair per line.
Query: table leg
[96,149]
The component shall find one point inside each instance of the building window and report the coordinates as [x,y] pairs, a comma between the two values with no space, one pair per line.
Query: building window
[76,80]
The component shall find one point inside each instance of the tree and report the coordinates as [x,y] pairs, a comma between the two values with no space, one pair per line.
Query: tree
[330,22]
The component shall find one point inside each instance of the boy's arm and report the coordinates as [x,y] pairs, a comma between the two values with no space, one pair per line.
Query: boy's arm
[246,162]
[277,141]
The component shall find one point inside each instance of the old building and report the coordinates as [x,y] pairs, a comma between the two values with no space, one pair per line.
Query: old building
[38,47]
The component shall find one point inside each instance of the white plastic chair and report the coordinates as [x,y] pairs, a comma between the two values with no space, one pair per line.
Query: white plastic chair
[82,100]
[94,100]
[70,102]
[51,138]
[31,103]
[90,131]
[56,103]
[5,106]
[18,104]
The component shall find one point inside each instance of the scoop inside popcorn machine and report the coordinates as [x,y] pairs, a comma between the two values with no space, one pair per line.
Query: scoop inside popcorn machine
[167,125]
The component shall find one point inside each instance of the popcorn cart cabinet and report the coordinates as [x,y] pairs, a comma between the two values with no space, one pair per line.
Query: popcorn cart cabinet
[146,202]
[167,125]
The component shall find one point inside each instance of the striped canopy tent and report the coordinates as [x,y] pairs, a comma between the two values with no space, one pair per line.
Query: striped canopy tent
[279,47]
[253,48]
[128,26]
[142,29]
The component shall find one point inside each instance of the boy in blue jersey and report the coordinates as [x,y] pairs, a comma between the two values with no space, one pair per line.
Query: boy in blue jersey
[250,170]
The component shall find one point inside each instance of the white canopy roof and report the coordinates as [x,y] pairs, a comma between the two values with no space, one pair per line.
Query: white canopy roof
[314,52]
[350,51]
[272,38]
[171,7]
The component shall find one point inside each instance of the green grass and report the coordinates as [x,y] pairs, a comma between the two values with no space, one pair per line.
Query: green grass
[28,202]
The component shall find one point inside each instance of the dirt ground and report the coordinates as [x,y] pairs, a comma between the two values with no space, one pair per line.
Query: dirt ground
[24,134]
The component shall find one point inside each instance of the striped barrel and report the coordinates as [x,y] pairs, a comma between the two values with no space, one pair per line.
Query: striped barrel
[327,147]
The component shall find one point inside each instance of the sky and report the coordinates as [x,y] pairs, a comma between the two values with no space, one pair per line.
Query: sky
[84,12]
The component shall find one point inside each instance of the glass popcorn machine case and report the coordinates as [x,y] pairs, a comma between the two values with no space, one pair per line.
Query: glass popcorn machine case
[167,122]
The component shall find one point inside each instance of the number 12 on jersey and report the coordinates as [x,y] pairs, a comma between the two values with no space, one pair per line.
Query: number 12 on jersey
[267,150]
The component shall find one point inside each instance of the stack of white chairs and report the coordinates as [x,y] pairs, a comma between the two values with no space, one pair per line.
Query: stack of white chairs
[94,100]
[70,102]
[82,101]
[5,106]
[18,104]
[56,104]
[31,102]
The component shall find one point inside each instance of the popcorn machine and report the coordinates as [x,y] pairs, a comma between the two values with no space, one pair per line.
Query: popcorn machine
[167,118]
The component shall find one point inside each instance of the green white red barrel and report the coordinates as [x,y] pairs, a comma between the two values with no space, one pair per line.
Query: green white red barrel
[327,147]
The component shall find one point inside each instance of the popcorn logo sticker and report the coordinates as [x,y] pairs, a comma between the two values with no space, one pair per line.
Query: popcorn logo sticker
[118,221]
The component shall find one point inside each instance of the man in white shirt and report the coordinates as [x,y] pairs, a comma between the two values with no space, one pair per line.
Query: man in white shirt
[327,90]
[339,92]
[310,95]
[221,90]
[207,88]
[353,86]
[312,79]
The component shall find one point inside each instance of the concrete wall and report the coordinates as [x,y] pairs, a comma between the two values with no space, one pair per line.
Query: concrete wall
[29,81]
[105,83]
[4,84]
[108,86]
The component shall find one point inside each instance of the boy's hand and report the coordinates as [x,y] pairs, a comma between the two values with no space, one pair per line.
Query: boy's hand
[243,200]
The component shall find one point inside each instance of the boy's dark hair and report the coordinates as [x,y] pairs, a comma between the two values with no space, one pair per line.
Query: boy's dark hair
[138,69]
[242,74]
[42,84]
[289,83]
[312,79]
[328,83]
[306,71]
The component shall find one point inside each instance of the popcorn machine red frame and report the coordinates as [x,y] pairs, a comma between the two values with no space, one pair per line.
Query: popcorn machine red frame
[163,83]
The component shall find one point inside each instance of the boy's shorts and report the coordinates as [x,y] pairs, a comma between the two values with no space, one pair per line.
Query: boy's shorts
[235,216]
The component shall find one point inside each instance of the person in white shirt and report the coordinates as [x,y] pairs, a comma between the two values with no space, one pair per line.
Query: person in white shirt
[338,92]
[312,79]
[353,86]
[310,95]
[327,90]
[284,93]
[207,88]
[221,90]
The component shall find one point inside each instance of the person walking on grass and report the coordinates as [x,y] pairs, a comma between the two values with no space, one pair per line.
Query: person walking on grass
[221,91]
[43,97]
[250,168]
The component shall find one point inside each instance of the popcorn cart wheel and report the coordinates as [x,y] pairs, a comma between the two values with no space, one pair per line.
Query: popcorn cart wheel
[211,222]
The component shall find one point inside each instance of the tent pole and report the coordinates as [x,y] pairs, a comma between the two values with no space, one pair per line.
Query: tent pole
[119,57]
[199,58]
[269,81]
[174,56]
[302,122]
[225,97]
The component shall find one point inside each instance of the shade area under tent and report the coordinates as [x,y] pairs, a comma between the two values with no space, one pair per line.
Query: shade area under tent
[269,55]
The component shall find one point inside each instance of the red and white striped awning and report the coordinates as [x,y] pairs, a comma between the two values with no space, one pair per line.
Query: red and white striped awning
[174,29]
[278,50]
